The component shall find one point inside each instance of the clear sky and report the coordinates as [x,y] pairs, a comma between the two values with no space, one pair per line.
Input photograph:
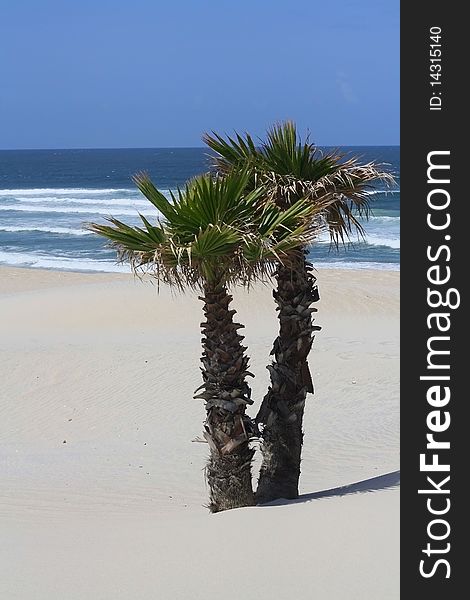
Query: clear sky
[158,73]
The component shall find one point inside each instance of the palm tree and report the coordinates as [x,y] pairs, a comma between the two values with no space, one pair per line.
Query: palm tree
[290,169]
[212,235]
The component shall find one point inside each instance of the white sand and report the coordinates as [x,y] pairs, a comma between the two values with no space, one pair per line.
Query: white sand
[116,512]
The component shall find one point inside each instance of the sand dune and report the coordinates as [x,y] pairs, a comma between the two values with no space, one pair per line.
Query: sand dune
[102,491]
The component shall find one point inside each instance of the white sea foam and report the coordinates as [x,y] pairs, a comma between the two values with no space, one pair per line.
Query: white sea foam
[32,229]
[377,240]
[44,261]
[50,191]
[371,240]
[100,202]
[108,210]
[358,265]
[380,218]
[379,237]
[375,192]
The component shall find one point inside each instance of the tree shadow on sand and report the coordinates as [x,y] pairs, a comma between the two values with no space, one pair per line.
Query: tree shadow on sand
[374,484]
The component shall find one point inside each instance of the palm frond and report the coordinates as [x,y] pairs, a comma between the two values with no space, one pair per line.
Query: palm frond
[145,185]
[290,169]
[240,153]
[214,229]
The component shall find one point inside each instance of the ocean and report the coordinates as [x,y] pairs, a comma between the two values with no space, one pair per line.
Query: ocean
[47,195]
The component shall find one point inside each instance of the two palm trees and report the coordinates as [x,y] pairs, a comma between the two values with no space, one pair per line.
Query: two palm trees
[290,170]
[254,218]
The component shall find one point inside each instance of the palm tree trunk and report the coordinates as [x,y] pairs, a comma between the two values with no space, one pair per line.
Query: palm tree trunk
[227,427]
[281,412]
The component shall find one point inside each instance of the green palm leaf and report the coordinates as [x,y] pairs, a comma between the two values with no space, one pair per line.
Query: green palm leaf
[214,229]
[290,170]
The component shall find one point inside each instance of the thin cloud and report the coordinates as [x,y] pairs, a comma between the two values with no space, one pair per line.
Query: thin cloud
[345,89]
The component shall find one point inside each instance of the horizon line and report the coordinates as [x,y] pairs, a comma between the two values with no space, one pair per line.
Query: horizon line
[182,147]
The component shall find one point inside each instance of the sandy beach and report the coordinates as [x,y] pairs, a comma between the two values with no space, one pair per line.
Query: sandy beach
[102,491]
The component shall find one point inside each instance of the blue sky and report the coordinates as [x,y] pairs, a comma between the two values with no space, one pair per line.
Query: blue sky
[148,73]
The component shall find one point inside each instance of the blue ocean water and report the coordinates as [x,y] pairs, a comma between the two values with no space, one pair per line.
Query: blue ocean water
[47,195]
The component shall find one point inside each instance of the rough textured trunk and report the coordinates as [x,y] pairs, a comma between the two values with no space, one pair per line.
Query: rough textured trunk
[227,428]
[282,409]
